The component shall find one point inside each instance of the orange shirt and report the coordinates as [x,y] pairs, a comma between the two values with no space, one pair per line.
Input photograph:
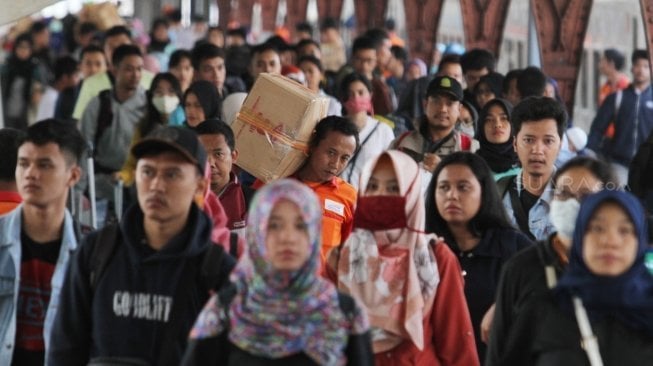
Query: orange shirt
[607,89]
[338,199]
[9,201]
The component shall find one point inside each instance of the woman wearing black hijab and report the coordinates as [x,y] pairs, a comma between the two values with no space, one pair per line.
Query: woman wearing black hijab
[201,102]
[495,135]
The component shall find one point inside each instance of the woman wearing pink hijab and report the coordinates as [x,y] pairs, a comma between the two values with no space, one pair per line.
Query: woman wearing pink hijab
[409,282]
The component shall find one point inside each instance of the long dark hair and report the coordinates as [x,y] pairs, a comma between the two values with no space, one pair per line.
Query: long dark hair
[152,117]
[491,213]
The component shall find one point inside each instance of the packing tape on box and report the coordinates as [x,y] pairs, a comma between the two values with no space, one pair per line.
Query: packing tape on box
[264,127]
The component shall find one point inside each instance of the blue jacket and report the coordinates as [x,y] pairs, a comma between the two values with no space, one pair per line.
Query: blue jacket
[10,254]
[633,124]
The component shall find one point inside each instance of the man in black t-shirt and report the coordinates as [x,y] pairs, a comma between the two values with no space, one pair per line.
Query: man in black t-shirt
[36,239]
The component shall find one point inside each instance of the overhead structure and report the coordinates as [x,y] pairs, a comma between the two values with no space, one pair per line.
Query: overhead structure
[647,16]
[19,9]
[484,22]
[561,27]
[422,26]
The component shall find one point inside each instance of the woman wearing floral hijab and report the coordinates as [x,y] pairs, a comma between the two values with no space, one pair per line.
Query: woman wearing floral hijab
[279,310]
[409,282]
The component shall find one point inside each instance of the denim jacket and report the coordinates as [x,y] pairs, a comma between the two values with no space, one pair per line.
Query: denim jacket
[10,254]
[538,217]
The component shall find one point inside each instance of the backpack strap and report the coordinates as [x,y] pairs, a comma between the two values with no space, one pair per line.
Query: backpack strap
[233,244]
[105,245]
[105,116]
[465,142]
[216,267]
[503,184]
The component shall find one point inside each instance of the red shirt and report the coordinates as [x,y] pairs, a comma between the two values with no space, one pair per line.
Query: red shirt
[8,201]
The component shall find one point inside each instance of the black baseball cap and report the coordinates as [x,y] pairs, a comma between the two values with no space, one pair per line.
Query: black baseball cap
[179,139]
[445,85]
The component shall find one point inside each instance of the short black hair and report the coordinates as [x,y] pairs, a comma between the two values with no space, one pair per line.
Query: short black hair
[450,58]
[312,59]
[279,43]
[399,53]
[304,27]
[616,57]
[363,43]
[10,140]
[377,35]
[531,82]
[123,51]
[537,108]
[86,28]
[305,42]
[491,213]
[329,23]
[38,27]
[599,169]
[639,54]
[264,47]
[179,55]
[333,123]
[205,51]
[343,93]
[215,126]
[511,75]
[64,66]
[63,133]
[158,22]
[477,59]
[116,31]
[91,48]
[239,32]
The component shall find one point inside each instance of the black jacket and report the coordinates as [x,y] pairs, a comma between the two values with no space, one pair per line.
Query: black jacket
[144,303]
[522,285]
[219,350]
[482,269]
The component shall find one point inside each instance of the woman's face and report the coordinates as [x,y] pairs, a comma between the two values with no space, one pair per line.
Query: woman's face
[313,75]
[457,194]
[497,125]
[184,73]
[610,241]
[287,241]
[194,111]
[484,94]
[23,50]
[576,183]
[383,181]
[163,88]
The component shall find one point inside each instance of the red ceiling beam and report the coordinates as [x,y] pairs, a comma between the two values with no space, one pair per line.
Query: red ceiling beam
[422,22]
[647,16]
[329,8]
[561,28]
[369,14]
[484,21]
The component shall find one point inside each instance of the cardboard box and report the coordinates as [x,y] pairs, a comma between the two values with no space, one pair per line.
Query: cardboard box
[274,126]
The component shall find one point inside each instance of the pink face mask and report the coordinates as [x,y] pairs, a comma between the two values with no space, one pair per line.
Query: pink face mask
[357,104]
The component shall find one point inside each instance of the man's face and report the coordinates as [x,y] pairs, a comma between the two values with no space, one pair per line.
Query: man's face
[92,63]
[364,62]
[513,93]
[641,72]
[383,53]
[166,184]
[128,72]
[442,111]
[537,145]
[214,71]
[221,159]
[266,61]
[310,50]
[330,157]
[114,42]
[452,70]
[44,174]
[473,76]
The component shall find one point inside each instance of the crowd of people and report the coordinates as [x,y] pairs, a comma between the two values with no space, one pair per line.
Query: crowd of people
[445,214]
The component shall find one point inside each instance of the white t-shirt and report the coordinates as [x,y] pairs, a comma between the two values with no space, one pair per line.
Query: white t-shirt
[374,140]
[47,104]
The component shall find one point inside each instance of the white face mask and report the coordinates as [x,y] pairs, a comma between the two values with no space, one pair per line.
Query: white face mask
[165,104]
[563,216]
